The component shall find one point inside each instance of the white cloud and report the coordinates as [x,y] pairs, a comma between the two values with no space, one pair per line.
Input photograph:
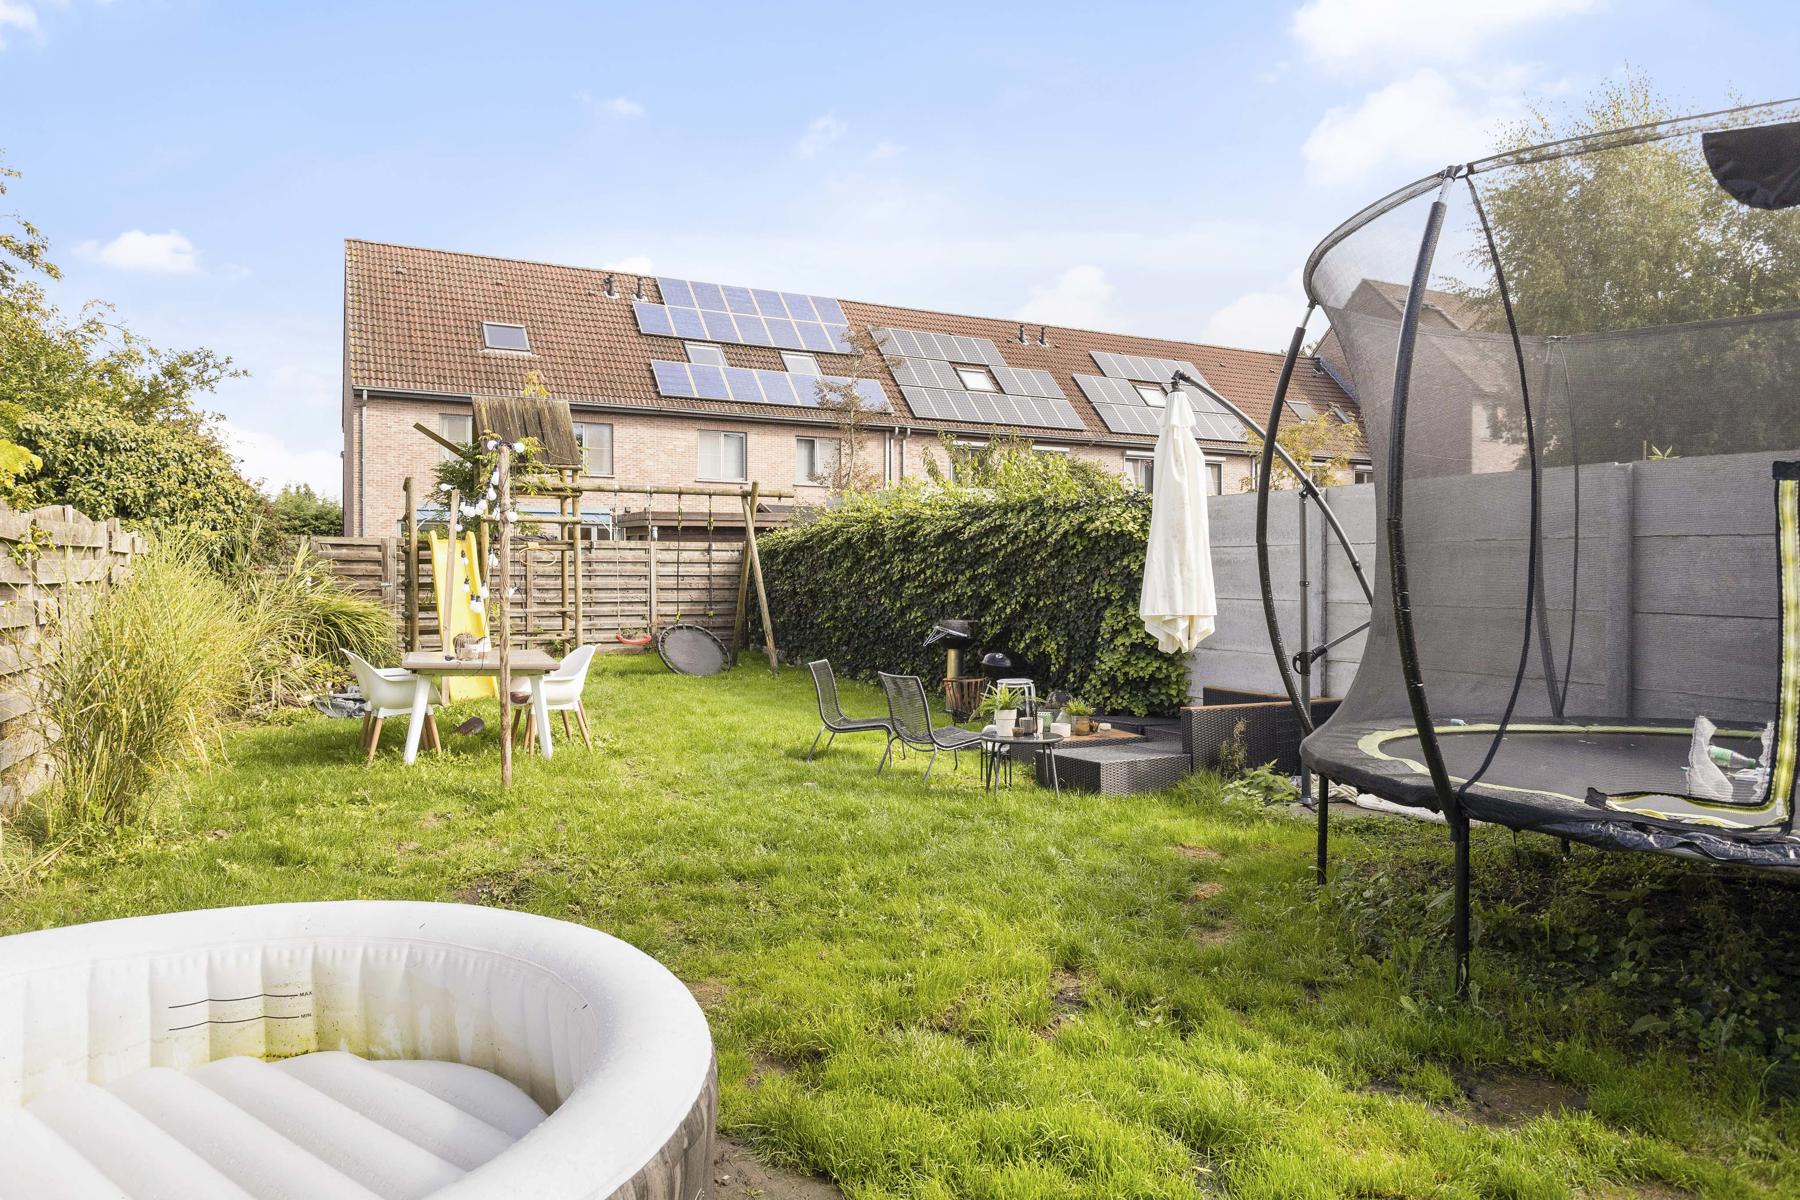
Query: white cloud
[1383,33]
[632,264]
[1259,320]
[885,150]
[614,106]
[820,133]
[22,17]
[1420,121]
[272,462]
[168,253]
[1080,296]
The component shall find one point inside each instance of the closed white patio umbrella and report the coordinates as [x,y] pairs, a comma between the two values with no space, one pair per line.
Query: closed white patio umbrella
[1178,604]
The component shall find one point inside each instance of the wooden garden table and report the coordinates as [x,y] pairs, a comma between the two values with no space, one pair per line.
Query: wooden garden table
[431,664]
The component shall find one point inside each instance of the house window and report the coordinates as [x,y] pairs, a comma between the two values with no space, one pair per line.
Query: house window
[815,459]
[706,352]
[1042,448]
[1215,479]
[1152,393]
[1362,473]
[1141,468]
[596,442]
[455,427]
[721,456]
[976,379]
[497,335]
[800,364]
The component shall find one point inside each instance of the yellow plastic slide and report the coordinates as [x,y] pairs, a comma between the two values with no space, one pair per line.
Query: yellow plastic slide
[460,609]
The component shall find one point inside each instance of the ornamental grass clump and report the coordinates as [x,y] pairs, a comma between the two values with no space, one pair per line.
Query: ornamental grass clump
[142,674]
[303,621]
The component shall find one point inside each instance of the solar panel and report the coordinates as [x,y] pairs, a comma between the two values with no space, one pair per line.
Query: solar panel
[927,377]
[1123,409]
[1140,368]
[749,316]
[754,385]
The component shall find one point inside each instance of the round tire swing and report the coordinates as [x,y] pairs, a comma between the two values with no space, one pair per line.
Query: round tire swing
[687,648]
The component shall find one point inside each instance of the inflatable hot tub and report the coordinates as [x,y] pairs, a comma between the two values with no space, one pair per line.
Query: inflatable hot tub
[349,1050]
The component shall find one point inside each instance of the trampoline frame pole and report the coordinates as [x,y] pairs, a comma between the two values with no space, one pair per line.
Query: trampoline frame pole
[1324,819]
[1399,580]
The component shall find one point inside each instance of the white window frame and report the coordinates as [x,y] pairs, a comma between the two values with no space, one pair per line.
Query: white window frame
[456,427]
[835,448]
[1151,393]
[988,385]
[487,341]
[724,436]
[1215,477]
[1362,472]
[800,364]
[709,354]
[1046,448]
[581,440]
[1141,468]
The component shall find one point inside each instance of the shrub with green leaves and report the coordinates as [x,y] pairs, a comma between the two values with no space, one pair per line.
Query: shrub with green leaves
[154,476]
[1044,555]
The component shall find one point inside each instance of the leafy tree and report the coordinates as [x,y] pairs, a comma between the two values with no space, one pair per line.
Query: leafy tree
[844,405]
[1319,441]
[1639,244]
[1009,466]
[300,511]
[151,475]
[73,389]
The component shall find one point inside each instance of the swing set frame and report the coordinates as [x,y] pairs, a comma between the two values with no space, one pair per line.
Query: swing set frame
[565,529]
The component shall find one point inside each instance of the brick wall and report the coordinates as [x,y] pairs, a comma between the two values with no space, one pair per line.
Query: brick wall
[648,450]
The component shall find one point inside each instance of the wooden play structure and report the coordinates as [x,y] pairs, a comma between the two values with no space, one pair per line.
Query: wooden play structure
[652,557]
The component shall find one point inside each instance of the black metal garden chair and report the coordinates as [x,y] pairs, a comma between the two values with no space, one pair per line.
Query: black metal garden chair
[831,713]
[910,715]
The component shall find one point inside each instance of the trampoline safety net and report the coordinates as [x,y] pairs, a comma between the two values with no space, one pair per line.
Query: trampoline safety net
[1584,445]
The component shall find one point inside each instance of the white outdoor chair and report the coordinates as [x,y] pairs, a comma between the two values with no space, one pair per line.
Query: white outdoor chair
[562,693]
[389,691]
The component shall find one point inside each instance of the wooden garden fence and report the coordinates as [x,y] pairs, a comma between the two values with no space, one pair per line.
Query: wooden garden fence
[42,553]
[691,583]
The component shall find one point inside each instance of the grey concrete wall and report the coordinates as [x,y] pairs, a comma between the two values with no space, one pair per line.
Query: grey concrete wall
[1675,605]
[1238,654]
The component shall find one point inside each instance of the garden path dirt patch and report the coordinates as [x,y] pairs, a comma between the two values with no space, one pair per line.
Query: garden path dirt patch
[708,993]
[1205,891]
[737,1175]
[1068,998]
[1199,853]
[1508,1098]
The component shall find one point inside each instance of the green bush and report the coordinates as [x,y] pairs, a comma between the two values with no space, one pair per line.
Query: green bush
[1046,559]
[146,673]
[154,476]
[152,669]
[304,620]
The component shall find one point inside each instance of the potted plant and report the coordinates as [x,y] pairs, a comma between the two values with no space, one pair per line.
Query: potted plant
[1081,716]
[1002,705]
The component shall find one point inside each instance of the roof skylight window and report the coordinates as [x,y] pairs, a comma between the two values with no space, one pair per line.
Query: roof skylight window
[498,335]
[976,379]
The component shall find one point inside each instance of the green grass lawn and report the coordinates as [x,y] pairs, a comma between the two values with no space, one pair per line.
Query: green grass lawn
[923,991]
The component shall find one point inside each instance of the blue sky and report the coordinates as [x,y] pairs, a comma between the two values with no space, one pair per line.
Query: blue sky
[1150,168]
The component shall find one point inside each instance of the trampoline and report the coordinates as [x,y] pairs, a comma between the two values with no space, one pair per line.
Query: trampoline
[1584,418]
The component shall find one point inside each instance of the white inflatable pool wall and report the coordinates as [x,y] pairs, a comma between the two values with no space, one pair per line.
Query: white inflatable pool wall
[599,1034]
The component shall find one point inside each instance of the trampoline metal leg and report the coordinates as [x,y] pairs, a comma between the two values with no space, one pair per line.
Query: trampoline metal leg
[1459,834]
[1324,809]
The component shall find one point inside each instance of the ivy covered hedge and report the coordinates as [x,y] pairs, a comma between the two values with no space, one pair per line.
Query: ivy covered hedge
[1047,569]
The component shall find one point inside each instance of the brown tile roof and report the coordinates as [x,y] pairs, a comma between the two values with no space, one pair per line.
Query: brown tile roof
[413,322]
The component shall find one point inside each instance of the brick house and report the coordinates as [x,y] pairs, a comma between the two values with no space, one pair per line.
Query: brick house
[680,383]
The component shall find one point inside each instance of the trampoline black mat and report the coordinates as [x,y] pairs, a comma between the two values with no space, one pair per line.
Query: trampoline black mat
[1541,775]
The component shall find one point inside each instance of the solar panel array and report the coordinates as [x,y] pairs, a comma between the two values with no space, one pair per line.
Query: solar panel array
[1138,367]
[750,316]
[924,369]
[1124,410]
[753,385]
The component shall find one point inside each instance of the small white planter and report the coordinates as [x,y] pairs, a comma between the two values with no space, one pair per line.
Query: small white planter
[1004,720]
